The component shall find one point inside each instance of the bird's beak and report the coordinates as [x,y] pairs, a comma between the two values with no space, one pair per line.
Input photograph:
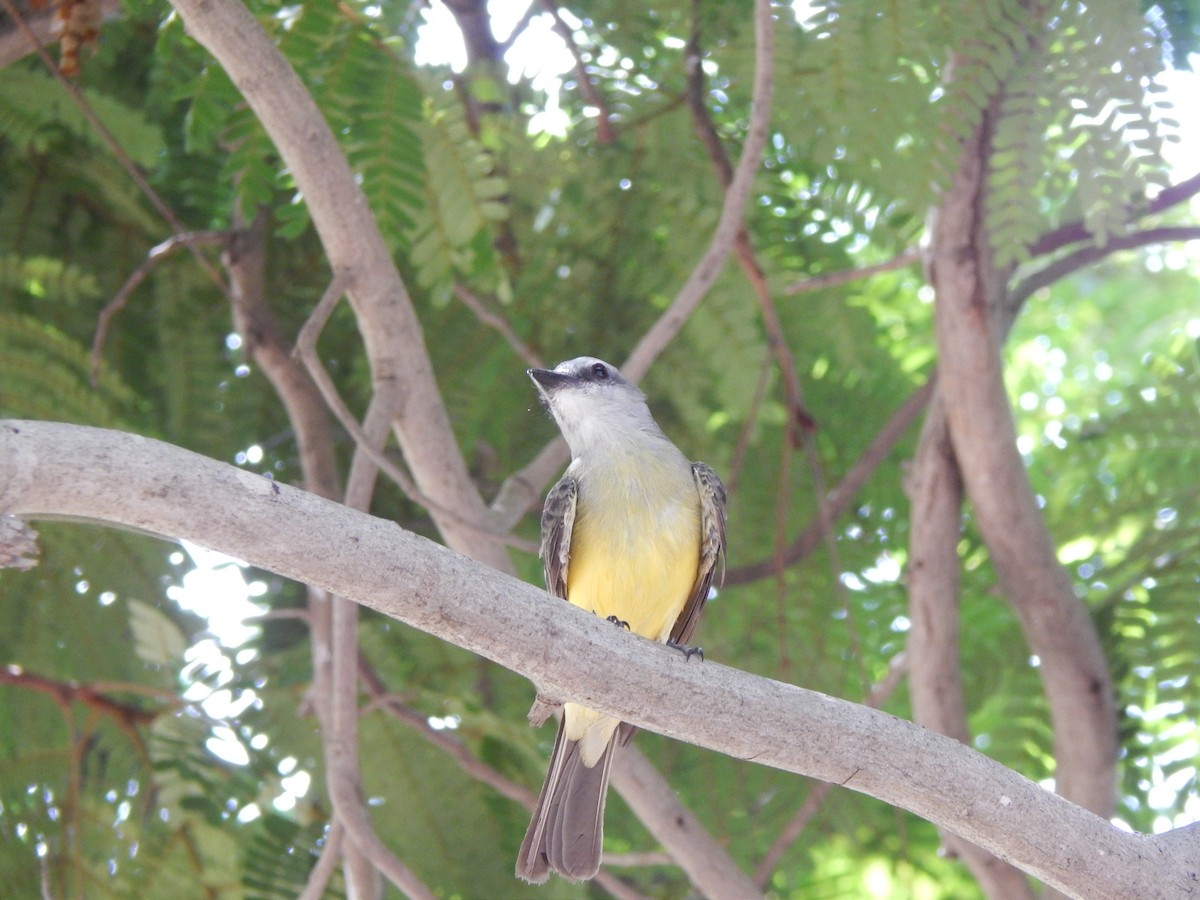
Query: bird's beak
[547,380]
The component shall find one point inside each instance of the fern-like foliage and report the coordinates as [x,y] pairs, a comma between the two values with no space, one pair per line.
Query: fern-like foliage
[362,86]
[33,108]
[1076,122]
[463,194]
[46,375]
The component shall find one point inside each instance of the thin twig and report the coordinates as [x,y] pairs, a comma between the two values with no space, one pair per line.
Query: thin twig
[331,854]
[64,693]
[798,419]
[591,96]
[709,266]
[497,322]
[845,276]
[841,496]
[154,256]
[342,750]
[471,765]
[395,707]
[306,349]
[1074,232]
[1086,256]
[111,142]
[523,489]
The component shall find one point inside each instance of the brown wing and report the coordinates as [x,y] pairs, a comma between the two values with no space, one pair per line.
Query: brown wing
[712,548]
[558,518]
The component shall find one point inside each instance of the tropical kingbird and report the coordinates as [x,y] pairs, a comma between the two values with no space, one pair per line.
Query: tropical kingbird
[632,532]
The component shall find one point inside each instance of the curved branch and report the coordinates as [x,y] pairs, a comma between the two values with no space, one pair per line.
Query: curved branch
[710,264]
[391,333]
[89,474]
[839,499]
[1086,256]
[969,325]
[1074,232]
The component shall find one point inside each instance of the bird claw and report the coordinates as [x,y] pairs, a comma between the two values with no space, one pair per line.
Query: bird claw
[688,652]
[620,623]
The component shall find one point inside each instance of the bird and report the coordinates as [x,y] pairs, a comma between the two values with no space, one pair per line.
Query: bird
[633,532]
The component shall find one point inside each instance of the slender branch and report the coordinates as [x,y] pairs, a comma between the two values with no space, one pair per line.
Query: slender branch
[876,697]
[341,739]
[64,693]
[1086,256]
[454,748]
[498,323]
[331,854]
[845,276]
[840,497]
[1075,232]
[798,419]
[156,254]
[306,349]
[130,481]
[110,141]
[591,96]
[935,491]
[466,760]
[523,489]
[676,828]
[654,341]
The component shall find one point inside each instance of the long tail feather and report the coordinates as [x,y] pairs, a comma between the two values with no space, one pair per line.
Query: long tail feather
[567,829]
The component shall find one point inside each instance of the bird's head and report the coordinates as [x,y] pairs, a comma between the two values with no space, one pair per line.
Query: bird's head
[592,402]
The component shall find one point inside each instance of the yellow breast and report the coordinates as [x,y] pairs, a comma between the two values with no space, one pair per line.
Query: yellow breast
[635,547]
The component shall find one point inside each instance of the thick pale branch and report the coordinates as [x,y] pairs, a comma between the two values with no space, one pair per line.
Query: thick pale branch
[1060,633]
[391,334]
[73,472]
[677,828]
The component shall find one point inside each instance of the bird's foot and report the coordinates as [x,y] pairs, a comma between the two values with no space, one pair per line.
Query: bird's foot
[620,623]
[688,652]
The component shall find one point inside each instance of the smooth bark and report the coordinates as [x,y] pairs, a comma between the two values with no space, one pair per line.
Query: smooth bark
[88,474]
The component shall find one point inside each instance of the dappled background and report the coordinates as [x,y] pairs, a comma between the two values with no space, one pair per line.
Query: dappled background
[546,185]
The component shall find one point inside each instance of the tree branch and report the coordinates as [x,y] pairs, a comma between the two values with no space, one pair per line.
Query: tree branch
[591,96]
[684,837]
[1075,232]
[1086,256]
[840,497]
[64,693]
[79,473]
[798,420]
[156,254]
[390,330]
[791,832]
[845,276]
[710,264]
[969,326]
[109,140]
